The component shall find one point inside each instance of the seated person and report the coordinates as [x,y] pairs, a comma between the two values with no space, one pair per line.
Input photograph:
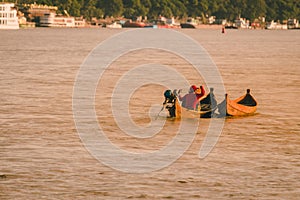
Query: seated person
[189,100]
[200,92]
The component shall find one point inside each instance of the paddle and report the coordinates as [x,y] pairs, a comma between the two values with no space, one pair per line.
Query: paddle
[176,94]
[159,112]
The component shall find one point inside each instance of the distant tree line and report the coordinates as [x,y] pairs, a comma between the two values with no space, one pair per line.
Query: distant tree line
[222,9]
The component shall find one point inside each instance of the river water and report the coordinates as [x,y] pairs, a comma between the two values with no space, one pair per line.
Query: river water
[42,156]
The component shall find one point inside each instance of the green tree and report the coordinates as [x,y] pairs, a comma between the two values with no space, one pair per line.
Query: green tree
[255,9]
[178,9]
[235,9]
[204,7]
[226,9]
[134,8]
[219,8]
[291,9]
[272,9]
[71,6]
[112,8]
[192,8]
[90,10]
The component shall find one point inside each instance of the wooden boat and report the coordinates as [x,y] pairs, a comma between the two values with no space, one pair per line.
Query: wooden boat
[187,113]
[208,106]
[244,105]
[131,24]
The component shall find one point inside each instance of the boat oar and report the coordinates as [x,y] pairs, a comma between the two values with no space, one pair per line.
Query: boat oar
[159,112]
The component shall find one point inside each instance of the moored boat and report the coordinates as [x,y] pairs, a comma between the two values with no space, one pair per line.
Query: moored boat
[131,24]
[113,25]
[53,20]
[190,23]
[244,105]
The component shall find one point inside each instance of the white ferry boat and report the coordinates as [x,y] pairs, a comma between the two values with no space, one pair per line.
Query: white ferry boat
[52,20]
[8,16]
[276,26]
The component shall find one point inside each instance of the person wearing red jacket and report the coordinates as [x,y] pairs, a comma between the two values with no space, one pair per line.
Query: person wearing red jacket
[200,92]
[191,100]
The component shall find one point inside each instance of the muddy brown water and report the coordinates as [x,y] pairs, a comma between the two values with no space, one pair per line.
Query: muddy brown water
[42,156]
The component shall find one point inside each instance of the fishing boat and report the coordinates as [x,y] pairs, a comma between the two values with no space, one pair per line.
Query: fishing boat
[208,105]
[205,109]
[244,105]
[204,112]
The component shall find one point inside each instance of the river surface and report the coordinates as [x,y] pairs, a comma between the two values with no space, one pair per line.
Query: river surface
[43,157]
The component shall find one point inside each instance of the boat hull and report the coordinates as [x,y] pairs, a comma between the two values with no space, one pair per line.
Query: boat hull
[230,108]
[245,105]
[134,25]
[186,113]
[205,112]
[187,25]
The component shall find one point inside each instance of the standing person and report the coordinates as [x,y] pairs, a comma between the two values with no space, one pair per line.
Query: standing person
[170,100]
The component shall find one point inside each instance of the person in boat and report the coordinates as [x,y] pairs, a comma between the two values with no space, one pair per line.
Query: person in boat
[170,102]
[192,99]
[200,92]
[188,99]
[209,101]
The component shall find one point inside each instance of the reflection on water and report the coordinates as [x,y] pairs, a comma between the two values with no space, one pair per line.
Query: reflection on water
[41,155]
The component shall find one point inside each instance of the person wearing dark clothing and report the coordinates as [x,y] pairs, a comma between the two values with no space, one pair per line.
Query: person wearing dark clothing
[170,102]
[209,104]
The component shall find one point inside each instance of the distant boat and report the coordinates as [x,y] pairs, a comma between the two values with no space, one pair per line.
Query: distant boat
[8,16]
[163,22]
[293,24]
[131,24]
[113,25]
[242,23]
[52,20]
[275,26]
[230,27]
[244,105]
[190,23]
